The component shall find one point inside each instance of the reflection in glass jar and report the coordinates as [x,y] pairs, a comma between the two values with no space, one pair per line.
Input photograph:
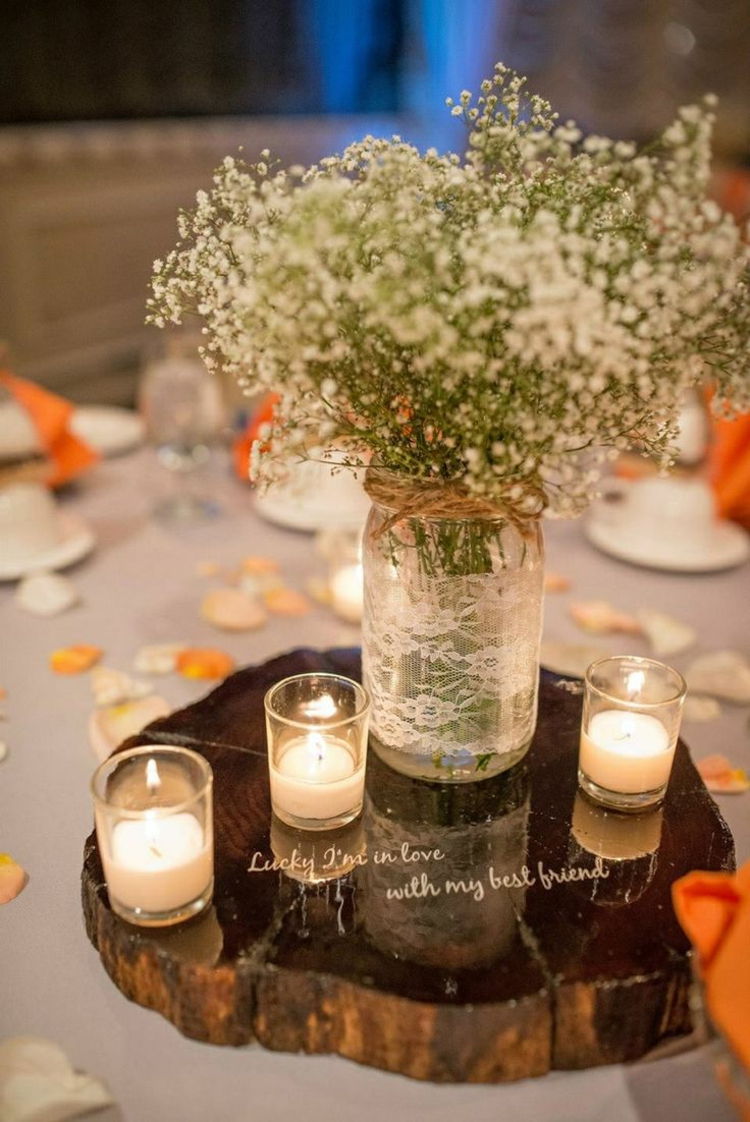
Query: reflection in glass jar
[628,844]
[443,884]
[315,858]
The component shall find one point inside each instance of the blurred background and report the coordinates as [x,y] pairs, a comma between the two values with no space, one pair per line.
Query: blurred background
[113,114]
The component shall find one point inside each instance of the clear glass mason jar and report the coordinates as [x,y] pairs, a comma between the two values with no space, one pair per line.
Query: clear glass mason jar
[450,642]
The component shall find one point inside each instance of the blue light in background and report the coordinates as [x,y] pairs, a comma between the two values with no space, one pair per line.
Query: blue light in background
[443,46]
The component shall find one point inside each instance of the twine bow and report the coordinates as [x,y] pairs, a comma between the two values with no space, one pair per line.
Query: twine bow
[432,498]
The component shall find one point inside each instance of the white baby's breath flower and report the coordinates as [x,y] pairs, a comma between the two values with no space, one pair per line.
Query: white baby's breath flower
[485,320]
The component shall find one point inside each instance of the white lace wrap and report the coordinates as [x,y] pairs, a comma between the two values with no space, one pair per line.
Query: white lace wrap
[451,662]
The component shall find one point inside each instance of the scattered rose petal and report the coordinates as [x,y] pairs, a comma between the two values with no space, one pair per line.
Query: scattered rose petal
[710,767]
[233,610]
[158,658]
[722,674]
[75,659]
[113,687]
[255,565]
[110,726]
[720,777]
[571,659]
[13,878]
[3,750]
[555,582]
[46,594]
[38,1083]
[286,602]
[599,617]
[204,662]
[319,590]
[666,634]
[207,568]
[256,584]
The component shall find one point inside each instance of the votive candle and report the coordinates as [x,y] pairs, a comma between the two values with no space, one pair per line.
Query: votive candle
[317,749]
[154,826]
[631,720]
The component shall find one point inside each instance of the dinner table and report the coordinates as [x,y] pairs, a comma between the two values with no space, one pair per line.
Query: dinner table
[143,583]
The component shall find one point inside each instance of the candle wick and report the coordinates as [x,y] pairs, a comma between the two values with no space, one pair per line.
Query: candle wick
[156,852]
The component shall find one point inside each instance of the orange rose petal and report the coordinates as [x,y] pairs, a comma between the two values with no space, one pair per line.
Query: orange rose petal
[74,660]
[555,582]
[713,767]
[233,610]
[720,777]
[735,783]
[13,878]
[598,617]
[319,590]
[110,726]
[255,565]
[286,602]
[204,662]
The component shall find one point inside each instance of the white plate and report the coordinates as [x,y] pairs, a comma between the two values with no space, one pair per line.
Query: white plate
[315,499]
[729,546]
[108,429]
[76,540]
[303,515]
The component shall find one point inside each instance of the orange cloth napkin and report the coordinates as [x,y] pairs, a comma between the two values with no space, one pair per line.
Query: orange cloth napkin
[714,911]
[729,468]
[243,444]
[51,415]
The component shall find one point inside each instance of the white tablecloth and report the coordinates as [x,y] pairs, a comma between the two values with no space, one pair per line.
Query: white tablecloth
[140,586]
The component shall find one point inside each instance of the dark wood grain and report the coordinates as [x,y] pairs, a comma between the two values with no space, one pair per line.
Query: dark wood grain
[472,983]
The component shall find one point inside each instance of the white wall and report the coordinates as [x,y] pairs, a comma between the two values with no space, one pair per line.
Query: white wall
[85,209]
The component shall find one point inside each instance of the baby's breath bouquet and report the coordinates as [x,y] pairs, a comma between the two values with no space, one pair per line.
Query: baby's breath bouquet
[494,322]
[483,332]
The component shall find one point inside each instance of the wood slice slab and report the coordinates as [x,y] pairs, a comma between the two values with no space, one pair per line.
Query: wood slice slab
[477,933]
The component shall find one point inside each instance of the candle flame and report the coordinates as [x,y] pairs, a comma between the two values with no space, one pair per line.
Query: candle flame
[152,834]
[321,707]
[153,779]
[636,679]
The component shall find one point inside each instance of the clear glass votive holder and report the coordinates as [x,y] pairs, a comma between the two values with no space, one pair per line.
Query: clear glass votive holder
[632,709]
[317,749]
[154,824]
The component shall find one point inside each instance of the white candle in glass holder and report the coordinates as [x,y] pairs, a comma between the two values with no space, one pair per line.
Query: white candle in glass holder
[316,777]
[158,864]
[626,752]
[347,592]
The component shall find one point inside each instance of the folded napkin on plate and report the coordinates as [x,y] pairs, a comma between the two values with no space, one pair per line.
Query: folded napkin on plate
[729,468]
[68,456]
[243,444]
[714,911]
[39,1084]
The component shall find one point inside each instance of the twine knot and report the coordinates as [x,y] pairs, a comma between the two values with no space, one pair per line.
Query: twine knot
[406,497]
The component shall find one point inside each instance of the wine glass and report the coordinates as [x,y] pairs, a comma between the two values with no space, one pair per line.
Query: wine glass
[182,406]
